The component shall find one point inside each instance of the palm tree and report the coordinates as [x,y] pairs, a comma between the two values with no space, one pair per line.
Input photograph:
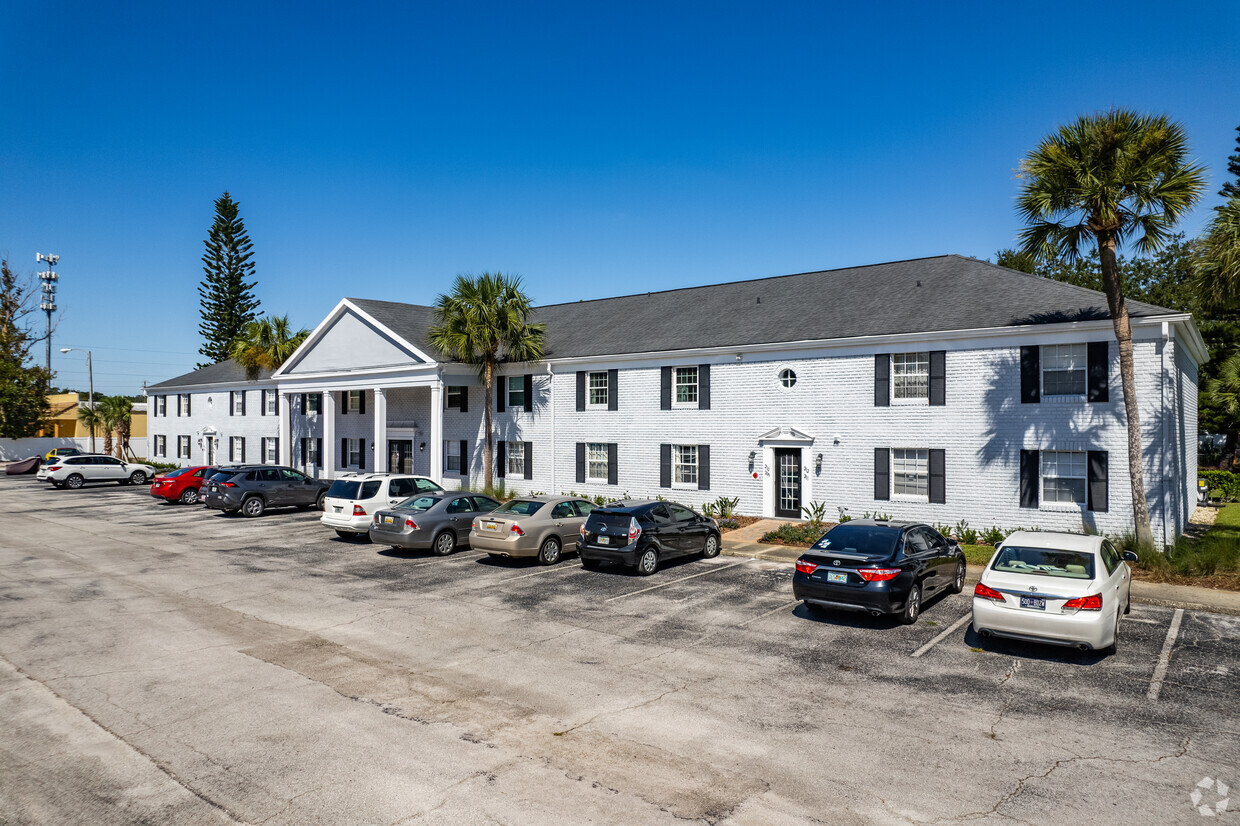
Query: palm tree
[120,410]
[265,344]
[484,321]
[1106,179]
[101,417]
[90,418]
[1218,270]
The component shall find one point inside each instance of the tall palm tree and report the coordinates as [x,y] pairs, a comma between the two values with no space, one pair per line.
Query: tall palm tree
[266,344]
[90,418]
[484,321]
[100,418]
[1106,179]
[1218,270]
[119,409]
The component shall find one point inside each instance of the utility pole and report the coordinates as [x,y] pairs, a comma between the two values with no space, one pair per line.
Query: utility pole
[90,377]
[48,301]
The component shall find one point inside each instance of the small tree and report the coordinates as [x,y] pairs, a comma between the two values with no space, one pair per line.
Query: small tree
[23,389]
[266,344]
[97,420]
[227,299]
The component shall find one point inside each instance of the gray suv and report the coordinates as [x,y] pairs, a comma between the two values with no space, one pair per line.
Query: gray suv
[252,489]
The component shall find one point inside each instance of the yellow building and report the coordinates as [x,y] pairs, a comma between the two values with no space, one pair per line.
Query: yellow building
[63,418]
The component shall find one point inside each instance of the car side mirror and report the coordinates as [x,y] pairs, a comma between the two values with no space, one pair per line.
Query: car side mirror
[1129,556]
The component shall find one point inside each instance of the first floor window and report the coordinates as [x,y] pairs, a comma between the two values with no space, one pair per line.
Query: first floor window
[598,390]
[452,456]
[516,459]
[686,385]
[182,447]
[310,449]
[685,464]
[1063,369]
[1063,476]
[355,453]
[910,472]
[236,448]
[161,445]
[270,446]
[516,392]
[910,375]
[596,459]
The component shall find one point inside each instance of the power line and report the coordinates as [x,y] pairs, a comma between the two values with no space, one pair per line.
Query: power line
[132,349]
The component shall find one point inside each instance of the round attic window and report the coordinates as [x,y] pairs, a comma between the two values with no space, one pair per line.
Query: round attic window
[787,377]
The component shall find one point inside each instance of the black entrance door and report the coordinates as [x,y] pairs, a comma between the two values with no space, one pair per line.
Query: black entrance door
[788,483]
[400,456]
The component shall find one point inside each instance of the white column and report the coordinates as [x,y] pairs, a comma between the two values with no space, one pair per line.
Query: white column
[381,458]
[436,438]
[329,435]
[286,429]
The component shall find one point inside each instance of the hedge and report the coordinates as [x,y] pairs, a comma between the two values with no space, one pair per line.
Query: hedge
[1224,485]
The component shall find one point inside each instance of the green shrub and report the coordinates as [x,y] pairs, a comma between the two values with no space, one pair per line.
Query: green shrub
[816,513]
[1224,485]
[993,536]
[727,524]
[964,534]
[794,533]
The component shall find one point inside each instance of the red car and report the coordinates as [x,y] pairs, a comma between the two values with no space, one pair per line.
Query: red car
[181,485]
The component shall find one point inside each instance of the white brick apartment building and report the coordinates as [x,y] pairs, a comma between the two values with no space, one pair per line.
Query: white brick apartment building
[937,389]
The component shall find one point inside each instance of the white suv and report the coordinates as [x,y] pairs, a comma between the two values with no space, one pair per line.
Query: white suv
[353,498]
[74,471]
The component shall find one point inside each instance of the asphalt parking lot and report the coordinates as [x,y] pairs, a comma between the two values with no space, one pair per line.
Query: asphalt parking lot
[170,664]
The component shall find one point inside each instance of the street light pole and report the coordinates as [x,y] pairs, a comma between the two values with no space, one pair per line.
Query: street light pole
[90,377]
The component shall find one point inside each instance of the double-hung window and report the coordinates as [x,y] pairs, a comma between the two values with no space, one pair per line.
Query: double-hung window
[686,385]
[598,389]
[516,392]
[161,405]
[313,402]
[236,449]
[1064,476]
[269,451]
[452,456]
[516,459]
[355,452]
[596,460]
[685,465]
[1063,369]
[182,447]
[269,399]
[238,400]
[910,375]
[454,396]
[910,472]
[355,401]
[161,445]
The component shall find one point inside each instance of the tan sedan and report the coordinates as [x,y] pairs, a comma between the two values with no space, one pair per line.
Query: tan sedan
[540,526]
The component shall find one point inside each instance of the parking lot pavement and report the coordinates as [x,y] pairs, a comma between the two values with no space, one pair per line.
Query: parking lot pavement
[166,663]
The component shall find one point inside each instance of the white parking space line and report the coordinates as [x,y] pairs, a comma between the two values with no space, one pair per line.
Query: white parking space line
[551,570]
[766,614]
[1164,658]
[674,581]
[943,634]
[443,559]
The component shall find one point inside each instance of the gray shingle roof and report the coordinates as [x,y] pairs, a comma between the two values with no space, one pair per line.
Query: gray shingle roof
[225,372]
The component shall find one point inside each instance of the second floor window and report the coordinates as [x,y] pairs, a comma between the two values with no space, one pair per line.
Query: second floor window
[239,403]
[516,392]
[910,375]
[355,401]
[598,388]
[686,385]
[270,399]
[1063,369]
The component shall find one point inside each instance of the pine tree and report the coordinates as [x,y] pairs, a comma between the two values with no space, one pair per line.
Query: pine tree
[1231,189]
[228,302]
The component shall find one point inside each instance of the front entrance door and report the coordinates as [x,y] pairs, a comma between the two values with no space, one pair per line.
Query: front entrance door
[788,483]
[400,456]
[209,443]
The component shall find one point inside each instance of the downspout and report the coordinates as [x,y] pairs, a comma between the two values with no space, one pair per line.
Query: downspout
[1167,518]
[551,408]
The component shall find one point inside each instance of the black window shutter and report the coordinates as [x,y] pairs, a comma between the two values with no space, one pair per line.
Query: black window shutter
[704,390]
[304,408]
[611,463]
[938,470]
[344,453]
[305,450]
[243,406]
[318,449]
[277,441]
[1031,378]
[882,473]
[703,467]
[361,402]
[501,458]
[665,388]
[464,399]
[344,403]
[232,403]
[581,460]
[501,393]
[361,454]
[665,466]
[188,396]
[613,394]
[882,380]
[581,392]
[243,448]
[938,380]
[277,402]
[1097,492]
[262,402]
[529,460]
[529,393]
[464,458]
[1098,361]
[1028,478]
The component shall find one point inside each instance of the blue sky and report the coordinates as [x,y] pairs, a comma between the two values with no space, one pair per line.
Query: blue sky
[595,149]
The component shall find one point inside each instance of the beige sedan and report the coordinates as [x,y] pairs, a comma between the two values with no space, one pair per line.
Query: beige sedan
[541,526]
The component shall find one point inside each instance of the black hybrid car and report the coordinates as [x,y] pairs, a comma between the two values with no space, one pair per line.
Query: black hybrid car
[642,533]
[254,489]
[881,567]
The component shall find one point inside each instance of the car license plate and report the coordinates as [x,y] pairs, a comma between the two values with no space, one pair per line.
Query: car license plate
[337,510]
[491,526]
[837,576]
[387,520]
[603,540]
[1033,602]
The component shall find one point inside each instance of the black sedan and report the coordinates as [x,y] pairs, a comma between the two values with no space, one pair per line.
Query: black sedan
[254,489]
[880,567]
[642,533]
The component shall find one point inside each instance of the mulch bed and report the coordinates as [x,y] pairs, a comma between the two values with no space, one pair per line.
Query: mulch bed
[743,522]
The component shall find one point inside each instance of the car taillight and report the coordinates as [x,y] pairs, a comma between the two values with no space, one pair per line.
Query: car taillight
[228,484]
[878,574]
[582,530]
[409,523]
[804,566]
[1093,602]
[516,528]
[986,592]
[635,530]
[358,510]
[53,467]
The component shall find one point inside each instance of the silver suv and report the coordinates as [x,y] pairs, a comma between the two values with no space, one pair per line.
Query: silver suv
[353,499]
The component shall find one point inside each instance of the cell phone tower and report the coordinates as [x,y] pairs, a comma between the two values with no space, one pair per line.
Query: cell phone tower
[48,301]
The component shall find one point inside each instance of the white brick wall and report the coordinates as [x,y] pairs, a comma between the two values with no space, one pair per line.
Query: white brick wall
[210,408]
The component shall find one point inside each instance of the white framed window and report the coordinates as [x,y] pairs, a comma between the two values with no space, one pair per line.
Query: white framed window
[1064,476]
[452,456]
[270,456]
[161,405]
[314,401]
[516,392]
[787,377]
[596,461]
[161,445]
[598,389]
[270,401]
[182,447]
[238,401]
[910,472]
[516,459]
[910,374]
[355,453]
[355,401]
[236,449]
[685,465]
[1063,369]
[685,380]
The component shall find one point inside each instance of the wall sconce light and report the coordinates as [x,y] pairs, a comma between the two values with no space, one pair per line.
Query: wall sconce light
[837,438]
[752,455]
[738,356]
[422,447]
[818,462]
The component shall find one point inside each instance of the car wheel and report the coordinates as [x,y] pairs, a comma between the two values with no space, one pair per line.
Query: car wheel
[318,502]
[1114,646]
[445,543]
[912,606]
[253,506]
[958,583]
[710,549]
[648,562]
[138,477]
[590,564]
[74,481]
[189,496]
[549,553]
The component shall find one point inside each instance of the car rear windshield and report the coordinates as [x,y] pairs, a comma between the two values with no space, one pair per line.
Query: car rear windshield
[1045,562]
[178,472]
[611,519]
[353,489]
[521,507]
[419,503]
[871,540]
[223,475]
